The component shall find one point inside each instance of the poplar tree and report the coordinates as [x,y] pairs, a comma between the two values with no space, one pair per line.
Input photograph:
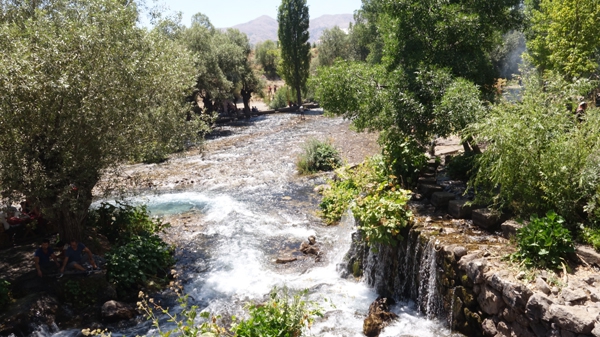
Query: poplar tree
[293,36]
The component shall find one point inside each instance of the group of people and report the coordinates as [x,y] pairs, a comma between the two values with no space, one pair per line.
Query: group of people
[14,221]
[76,257]
[272,90]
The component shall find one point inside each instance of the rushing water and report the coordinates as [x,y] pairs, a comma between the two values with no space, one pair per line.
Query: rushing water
[247,207]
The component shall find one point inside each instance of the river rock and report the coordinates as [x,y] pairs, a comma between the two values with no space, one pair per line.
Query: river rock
[459,209]
[115,310]
[538,307]
[489,327]
[576,319]
[588,254]
[509,228]
[490,300]
[474,267]
[596,331]
[516,295]
[487,219]
[428,189]
[441,199]
[573,295]
[379,316]
[542,286]
[309,247]
[283,260]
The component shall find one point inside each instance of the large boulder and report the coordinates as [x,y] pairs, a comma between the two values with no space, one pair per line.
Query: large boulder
[379,316]
[576,319]
[115,311]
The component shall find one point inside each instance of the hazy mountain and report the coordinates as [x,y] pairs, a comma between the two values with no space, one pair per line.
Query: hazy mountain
[265,27]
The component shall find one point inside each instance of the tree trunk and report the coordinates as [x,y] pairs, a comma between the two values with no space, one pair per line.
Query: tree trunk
[208,104]
[299,100]
[246,95]
[68,211]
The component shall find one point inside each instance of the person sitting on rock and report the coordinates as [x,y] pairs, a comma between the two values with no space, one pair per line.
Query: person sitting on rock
[42,257]
[74,258]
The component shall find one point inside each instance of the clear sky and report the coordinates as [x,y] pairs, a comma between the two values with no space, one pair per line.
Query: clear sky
[227,13]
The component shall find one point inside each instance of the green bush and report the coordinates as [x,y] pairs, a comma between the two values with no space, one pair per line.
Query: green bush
[404,158]
[382,213]
[375,198]
[141,257]
[285,315]
[4,294]
[462,166]
[281,98]
[543,242]
[538,156]
[590,236]
[77,295]
[318,156]
[122,221]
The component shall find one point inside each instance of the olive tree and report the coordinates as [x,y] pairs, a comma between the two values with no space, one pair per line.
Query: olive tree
[81,90]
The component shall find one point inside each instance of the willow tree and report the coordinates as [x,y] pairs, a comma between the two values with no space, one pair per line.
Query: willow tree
[564,36]
[81,90]
[293,36]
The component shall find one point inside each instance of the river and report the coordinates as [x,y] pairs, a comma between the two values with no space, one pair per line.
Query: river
[240,204]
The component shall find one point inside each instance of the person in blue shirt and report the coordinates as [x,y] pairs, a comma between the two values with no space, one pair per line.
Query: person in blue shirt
[42,257]
[74,258]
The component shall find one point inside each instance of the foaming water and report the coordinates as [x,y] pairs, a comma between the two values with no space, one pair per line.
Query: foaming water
[242,208]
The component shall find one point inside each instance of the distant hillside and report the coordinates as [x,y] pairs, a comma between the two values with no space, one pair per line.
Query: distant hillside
[265,27]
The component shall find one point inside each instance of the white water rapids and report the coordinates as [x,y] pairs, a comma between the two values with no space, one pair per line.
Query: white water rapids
[248,209]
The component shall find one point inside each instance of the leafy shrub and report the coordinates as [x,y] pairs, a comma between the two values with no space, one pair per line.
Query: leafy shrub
[318,156]
[4,294]
[281,98]
[382,213]
[336,200]
[462,166]
[544,242]
[375,198]
[285,315]
[591,236]
[538,155]
[404,158]
[142,257]
[122,221]
[79,296]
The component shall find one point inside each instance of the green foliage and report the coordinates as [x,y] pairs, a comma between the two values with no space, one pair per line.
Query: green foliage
[462,166]
[564,36]
[382,213]
[591,236]
[375,199]
[5,298]
[121,221]
[538,157]
[334,44]
[544,242]
[267,55]
[403,158]
[83,88]
[282,98]
[318,156]
[78,295]
[285,314]
[293,20]
[185,320]
[140,258]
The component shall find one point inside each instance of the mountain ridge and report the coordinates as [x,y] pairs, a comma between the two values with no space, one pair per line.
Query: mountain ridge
[265,27]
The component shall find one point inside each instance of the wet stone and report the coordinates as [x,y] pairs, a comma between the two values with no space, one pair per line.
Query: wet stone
[509,228]
[459,210]
[441,199]
[428,189]
[486,218]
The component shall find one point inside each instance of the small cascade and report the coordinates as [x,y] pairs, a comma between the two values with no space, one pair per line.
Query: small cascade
[410,271]
[429,298]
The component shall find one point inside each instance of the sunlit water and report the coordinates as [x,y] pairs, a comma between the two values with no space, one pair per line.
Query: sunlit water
[228,238]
